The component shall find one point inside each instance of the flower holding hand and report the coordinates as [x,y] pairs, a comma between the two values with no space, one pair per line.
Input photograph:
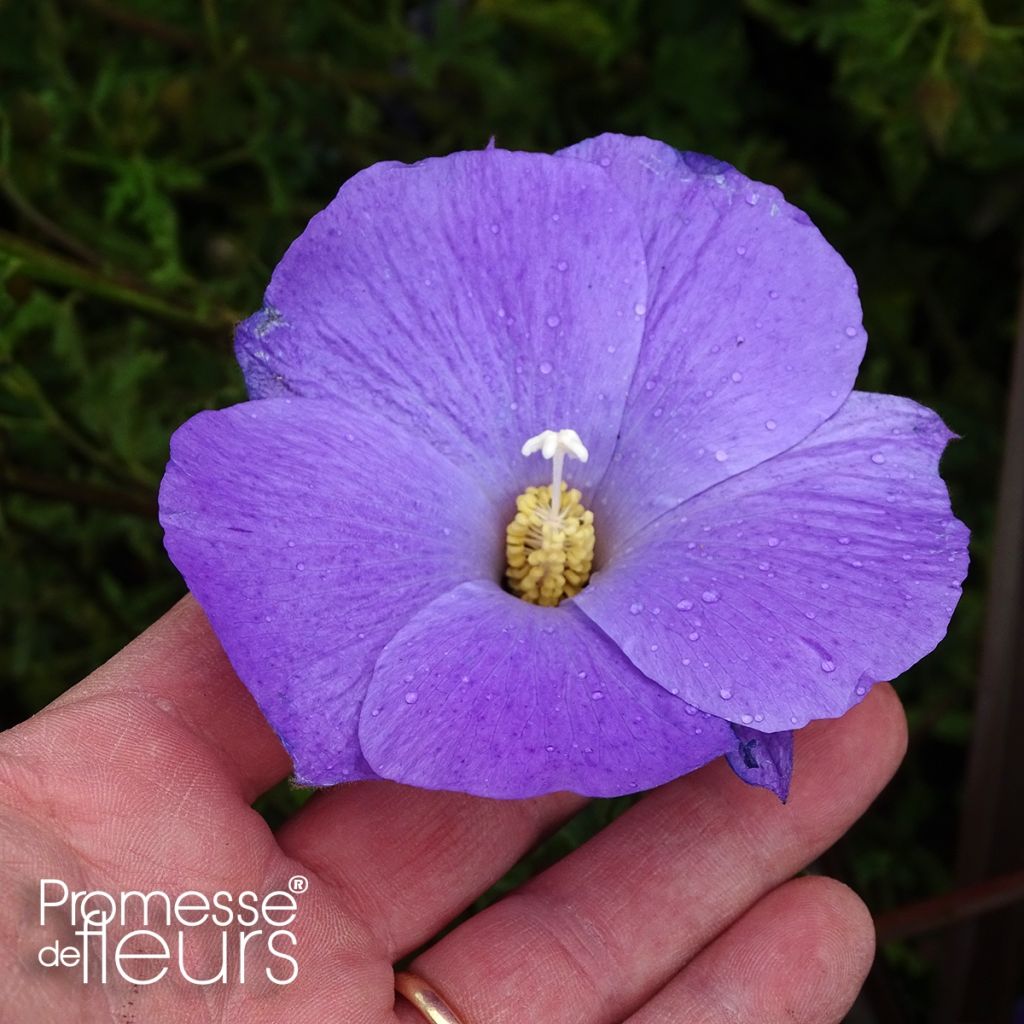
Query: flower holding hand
[552,484]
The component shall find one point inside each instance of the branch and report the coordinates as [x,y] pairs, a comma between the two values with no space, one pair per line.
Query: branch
[950,908]
[44,265]
[76,492]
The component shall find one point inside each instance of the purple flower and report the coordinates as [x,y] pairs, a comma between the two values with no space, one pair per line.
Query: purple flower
[744,544]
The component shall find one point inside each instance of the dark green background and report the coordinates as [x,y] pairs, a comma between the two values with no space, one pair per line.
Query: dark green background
[157,156]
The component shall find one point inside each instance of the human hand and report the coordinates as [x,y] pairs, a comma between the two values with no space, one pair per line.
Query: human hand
[141,778]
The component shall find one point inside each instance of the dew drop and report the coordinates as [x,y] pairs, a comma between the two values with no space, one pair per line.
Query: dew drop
[636,608]
[639,309]
[828,665]
[737,377]
[709,596]
[741,250]
[770,424]
[773,542]
[597,695]
[860,691]
[695,635]
[878,458]
[844,540]
[410,697]
[725,694]
[654,648]
[550,749]
[721,456]
[562,265]
[684,605]
[851,332]
[546,368]
[746,719]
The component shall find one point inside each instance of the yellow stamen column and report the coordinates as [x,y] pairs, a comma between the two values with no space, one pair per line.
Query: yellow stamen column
[550,542]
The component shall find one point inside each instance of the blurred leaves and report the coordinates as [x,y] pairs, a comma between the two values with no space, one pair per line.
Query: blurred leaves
[157,156]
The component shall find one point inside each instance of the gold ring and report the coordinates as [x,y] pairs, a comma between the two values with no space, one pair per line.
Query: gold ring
[425,999]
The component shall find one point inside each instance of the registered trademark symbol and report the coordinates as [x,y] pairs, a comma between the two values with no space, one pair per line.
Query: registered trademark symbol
[298,883]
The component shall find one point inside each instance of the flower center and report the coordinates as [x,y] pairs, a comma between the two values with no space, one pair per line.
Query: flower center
[550,543]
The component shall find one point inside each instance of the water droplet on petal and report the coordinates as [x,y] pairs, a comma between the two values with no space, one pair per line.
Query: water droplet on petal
[684,605]
[546,368]
[597,695]
[773,542]
[844,540]
[636,608]
[695,635]
[410,697]
[828,665]
[851,332]
[746,719]
[709,596]
[737,377]
[770,424]
[721,456]
[639,309]
[725,694]
[562,265]
[878,458]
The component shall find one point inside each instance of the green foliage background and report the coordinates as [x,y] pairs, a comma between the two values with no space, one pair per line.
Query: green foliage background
[157,156]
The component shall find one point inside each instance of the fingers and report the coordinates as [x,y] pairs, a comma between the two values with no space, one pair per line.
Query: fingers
[169,700]
[406,861]
[798,957]
[591,939]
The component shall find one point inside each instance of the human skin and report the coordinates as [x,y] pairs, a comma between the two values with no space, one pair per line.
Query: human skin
[685,908]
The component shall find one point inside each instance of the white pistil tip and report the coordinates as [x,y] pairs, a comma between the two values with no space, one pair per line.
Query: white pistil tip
[551,443]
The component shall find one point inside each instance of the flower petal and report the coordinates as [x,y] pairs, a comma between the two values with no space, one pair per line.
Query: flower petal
[780,595]
[476,299]
[763,759]
[488,694]
[310,533]
[753,333]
